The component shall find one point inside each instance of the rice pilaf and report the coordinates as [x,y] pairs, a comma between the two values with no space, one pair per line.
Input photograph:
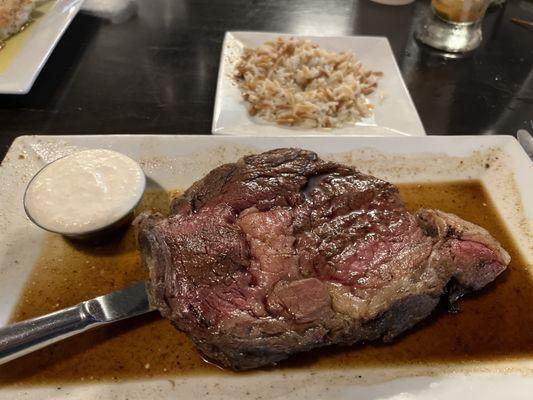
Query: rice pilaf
[295,82]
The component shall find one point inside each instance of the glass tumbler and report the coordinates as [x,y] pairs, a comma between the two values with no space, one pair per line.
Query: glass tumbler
[452,25]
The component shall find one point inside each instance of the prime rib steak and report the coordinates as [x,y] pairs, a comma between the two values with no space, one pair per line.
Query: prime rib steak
[282,252]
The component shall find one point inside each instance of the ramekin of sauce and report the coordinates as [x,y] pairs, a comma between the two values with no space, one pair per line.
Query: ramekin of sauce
[85,194]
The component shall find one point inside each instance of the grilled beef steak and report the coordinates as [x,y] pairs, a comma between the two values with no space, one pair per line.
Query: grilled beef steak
[283,252]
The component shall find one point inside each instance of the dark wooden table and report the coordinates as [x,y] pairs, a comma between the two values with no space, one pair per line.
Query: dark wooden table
[156,73]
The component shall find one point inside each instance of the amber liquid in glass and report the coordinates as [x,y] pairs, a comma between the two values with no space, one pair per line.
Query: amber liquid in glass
[460,10]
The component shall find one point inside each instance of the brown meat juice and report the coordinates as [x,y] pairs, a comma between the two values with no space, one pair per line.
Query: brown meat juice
[493,324]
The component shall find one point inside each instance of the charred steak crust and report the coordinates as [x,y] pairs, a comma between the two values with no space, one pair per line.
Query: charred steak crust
[282,252]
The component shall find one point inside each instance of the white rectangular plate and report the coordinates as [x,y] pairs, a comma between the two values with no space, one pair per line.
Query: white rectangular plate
[394,113]
[177,161]
[25,54]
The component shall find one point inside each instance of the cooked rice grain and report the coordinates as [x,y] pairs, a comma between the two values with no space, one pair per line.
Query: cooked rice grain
[295,82]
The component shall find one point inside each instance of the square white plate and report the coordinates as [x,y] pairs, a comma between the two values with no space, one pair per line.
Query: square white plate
[394,113]
[25,54]
[177,161]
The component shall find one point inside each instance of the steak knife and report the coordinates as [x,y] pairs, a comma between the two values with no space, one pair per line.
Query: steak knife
[27,336]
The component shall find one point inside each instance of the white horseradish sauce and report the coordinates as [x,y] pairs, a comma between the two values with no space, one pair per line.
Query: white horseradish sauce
[84,192]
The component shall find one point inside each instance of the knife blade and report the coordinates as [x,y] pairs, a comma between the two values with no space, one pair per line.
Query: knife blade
[27,336]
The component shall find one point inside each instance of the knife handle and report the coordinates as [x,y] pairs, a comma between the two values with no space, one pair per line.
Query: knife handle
[27,336]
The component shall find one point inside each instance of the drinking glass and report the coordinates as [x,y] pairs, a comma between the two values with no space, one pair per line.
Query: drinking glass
[452,25]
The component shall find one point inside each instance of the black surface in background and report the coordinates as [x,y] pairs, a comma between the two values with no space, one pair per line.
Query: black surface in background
[156,73]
